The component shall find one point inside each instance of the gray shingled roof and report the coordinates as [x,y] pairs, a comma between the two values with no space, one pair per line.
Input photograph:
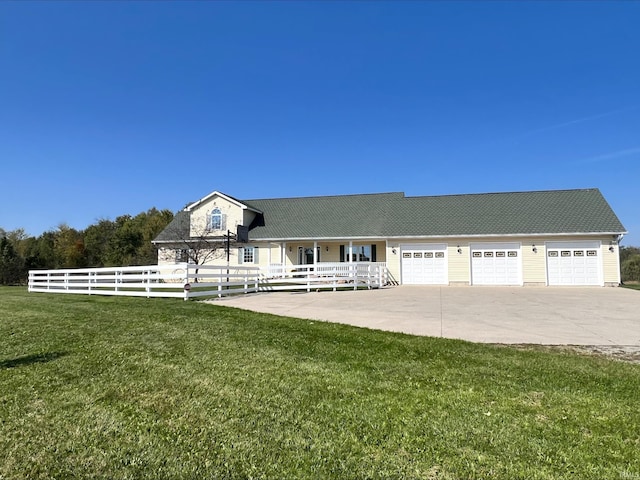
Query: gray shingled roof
[394,215]
[178,228]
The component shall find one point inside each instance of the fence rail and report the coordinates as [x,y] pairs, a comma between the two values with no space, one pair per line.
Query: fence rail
[190,281]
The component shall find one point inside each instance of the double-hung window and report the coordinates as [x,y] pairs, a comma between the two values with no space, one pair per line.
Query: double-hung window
[181,255]
[248,255]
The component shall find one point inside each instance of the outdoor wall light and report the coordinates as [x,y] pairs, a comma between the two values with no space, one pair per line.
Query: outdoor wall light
[289,248]
[393,250]
[611,249]
[459,250]
[327,248]
[534,249]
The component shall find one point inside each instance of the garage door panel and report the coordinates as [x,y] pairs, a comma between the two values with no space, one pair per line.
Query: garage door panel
[424,264]
[577,263]
[496,264]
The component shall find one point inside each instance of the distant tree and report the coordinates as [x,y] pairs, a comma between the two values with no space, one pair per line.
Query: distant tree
[68,248]
[97,238]
[12,271]
[628,252]
[630,270]
[124,243]
[18,238]
[39,252]
[151,223]
[127,240]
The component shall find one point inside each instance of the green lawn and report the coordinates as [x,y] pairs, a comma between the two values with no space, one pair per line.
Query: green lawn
[632,286]
[127,388]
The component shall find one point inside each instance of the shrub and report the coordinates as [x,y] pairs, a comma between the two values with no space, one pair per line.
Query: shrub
[631,269]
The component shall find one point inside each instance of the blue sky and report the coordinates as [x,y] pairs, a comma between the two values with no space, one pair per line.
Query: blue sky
[111,108]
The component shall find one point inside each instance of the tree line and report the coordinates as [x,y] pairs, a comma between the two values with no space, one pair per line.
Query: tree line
[120,242]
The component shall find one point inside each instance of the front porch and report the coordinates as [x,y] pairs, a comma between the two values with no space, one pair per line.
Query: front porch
[307,253]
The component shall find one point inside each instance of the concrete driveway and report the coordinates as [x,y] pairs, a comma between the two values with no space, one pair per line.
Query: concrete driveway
[544,315]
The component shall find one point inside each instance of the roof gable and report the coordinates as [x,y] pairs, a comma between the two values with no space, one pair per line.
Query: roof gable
[213,194]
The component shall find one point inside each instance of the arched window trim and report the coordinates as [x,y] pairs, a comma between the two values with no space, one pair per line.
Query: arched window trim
[216,219]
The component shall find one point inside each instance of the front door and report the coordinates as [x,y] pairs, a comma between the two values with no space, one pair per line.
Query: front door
[305,255]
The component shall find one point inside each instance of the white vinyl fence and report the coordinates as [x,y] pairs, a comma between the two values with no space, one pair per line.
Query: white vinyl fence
[190,281]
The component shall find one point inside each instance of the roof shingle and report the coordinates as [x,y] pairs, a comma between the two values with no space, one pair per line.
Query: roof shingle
[394,215]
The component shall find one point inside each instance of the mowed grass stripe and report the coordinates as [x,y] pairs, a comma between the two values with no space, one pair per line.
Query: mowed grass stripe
[112,387]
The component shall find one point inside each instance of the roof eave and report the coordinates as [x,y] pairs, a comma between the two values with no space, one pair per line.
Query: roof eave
[409,237]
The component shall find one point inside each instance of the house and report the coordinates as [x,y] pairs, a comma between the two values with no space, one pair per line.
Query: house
[558,237]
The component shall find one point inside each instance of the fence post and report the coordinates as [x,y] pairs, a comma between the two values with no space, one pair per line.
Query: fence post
[355,276]
[147,274]
[185,289]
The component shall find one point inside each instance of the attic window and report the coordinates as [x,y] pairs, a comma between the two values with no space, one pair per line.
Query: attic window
[217,220]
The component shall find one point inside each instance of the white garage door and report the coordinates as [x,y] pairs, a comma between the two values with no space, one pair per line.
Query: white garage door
[574,263]
[496,264]
[424,264]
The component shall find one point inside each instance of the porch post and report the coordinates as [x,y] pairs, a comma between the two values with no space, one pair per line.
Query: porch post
[315,252]
[350,251]
[283,256]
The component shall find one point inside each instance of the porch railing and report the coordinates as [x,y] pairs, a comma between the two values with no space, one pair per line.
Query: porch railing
[332,276]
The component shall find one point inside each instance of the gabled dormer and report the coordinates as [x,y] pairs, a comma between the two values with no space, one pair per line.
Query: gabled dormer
[218,213]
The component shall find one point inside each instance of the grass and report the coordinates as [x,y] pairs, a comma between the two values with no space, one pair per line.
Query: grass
[127,388]
[632,286]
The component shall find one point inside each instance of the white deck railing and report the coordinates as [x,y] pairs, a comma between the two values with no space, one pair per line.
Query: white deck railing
[190,281]
[324,276]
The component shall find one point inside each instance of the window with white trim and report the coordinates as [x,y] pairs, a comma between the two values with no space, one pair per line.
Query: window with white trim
[358,253]
[181,255]
[248,255]
[217,220]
